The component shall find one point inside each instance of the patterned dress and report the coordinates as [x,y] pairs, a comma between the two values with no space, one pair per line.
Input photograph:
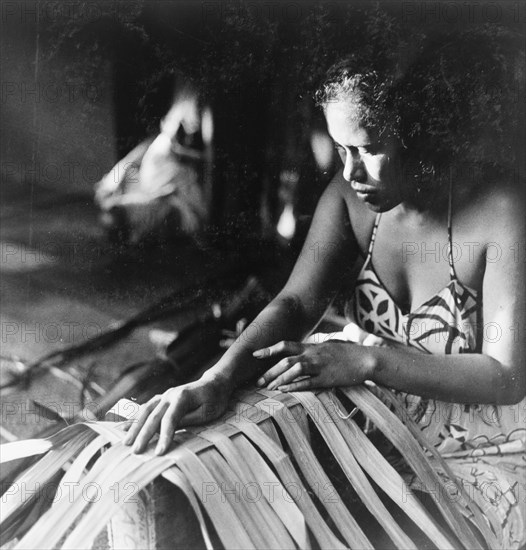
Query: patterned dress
[484,445]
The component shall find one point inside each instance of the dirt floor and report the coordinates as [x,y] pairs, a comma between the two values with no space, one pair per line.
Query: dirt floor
[62,283]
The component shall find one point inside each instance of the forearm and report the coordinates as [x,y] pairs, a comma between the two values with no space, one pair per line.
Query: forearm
[463,378]
[283,319]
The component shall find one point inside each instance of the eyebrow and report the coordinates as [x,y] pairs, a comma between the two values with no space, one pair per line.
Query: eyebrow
[363,145]
[355,146]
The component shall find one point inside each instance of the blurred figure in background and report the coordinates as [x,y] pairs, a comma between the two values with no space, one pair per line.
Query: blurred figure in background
[162,187]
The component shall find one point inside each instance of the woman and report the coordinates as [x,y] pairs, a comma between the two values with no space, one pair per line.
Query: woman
[441,289]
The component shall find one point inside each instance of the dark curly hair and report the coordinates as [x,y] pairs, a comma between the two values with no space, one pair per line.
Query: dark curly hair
[365,89]
[458,103]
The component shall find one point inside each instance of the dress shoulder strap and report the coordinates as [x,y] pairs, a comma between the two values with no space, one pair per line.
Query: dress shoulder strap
[373,235]
[452,273]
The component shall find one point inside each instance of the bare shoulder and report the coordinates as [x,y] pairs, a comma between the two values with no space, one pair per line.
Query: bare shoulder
[500,211]
[503,197]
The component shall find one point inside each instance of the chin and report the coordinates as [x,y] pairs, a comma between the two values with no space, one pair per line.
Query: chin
[379,206]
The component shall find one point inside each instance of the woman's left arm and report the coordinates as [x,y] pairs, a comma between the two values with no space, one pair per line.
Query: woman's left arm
[496,375]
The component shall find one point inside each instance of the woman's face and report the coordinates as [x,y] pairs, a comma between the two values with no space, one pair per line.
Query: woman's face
[368,163]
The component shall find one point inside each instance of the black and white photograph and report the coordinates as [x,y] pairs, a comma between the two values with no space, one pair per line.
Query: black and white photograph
[262,272]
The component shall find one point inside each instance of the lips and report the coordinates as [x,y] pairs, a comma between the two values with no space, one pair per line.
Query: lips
[362,188]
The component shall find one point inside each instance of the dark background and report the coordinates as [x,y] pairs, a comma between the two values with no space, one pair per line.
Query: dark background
[84,82]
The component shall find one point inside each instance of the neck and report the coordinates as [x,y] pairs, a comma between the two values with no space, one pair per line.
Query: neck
[430,198]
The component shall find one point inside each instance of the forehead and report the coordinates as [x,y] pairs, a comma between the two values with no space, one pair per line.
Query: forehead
[345,125]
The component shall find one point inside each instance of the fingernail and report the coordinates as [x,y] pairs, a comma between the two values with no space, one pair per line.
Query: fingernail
[260,382]
[159,450]
[128,441]
[258,354]
[136,449]
[271,386]
[283,388]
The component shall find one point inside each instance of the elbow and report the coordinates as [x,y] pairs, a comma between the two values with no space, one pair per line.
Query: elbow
[507,384]
[514,395]
[514,389]
[290,303]
[293,307]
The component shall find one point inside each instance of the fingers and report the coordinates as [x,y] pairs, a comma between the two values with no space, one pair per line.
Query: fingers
[278,369]
[150,427]
[184,413]
[192,403]
[162,413]
[300,369]
[279,349]
[285,370]
[144,413]
[298,385]
[127,424]
[169,423]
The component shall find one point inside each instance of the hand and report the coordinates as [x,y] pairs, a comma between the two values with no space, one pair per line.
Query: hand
[193,403]
[307,366]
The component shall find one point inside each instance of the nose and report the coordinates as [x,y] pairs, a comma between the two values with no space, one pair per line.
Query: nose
[353,169]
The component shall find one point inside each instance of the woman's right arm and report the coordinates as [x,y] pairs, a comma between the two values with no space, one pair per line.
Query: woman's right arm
[327,255]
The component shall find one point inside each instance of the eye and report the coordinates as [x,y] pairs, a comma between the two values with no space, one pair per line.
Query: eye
[342,153]
[372,149]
